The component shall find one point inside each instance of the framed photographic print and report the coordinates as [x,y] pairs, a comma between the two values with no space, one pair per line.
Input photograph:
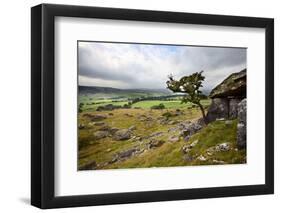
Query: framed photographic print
[139,106]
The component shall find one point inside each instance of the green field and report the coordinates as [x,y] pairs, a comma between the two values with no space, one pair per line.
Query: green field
[95,105]
[117,96]
[91,103]
[168,104]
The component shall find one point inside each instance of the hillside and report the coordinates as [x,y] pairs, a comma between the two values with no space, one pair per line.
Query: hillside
[142,128]
[140,138]
[95,90]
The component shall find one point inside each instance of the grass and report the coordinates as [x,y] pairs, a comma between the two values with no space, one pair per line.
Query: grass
[215,133]
[168,104]
[170,153]
[92,149]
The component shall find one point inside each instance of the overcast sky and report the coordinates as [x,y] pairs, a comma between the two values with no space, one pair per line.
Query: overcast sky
[147,66]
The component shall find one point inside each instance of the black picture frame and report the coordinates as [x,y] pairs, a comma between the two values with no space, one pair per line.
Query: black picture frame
[43,102]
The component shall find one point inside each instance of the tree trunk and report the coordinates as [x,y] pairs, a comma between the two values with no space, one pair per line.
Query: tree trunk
[203,113]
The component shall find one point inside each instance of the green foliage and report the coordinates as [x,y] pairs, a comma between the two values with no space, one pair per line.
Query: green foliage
[80,108]
[160,106]
[127,106]
[190,86]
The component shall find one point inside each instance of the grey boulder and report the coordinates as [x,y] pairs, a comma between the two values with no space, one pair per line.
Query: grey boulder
[242,124]
[101,134]
[122,134]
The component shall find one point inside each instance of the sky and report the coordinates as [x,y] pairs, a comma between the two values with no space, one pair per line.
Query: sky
[131,66]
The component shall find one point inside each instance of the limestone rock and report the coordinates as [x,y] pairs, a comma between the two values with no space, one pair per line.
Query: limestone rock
[127,153]
[156,134]
[201,158]
[223,147]
[226,96]
[228,122]
[131,128]
[174,138]
[242,124]
[193,144]
[218,161]
[234,85]
[155,143]
[172,122]
[188,147]
[185,149]
[113,130]
[233,107]
[218,109]
[189,128]
[99,123]
[122,134]
[105,128]
[101,134]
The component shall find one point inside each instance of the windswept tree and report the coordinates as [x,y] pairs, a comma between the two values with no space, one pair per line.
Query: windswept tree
[190,86]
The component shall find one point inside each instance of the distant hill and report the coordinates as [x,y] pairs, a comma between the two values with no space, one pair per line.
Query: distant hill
[95,90]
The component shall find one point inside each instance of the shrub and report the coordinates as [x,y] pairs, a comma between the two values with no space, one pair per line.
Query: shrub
[160,106]
[127,106]
[80,109]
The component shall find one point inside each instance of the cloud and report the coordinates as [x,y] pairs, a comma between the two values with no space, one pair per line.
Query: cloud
[147,66]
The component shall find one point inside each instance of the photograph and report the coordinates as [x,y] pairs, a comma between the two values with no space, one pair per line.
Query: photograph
[160,105]
[169,104]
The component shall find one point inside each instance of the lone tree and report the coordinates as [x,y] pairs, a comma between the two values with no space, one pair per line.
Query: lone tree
[189,85]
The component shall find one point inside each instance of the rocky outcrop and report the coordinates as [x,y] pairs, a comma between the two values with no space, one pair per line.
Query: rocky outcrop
[124,155]
[226,97]
[188,147]
[218,109]
[155,143]
[100,134]
[187,129]
[242,124]
[122,134]
[233,105]
[234,85]
[229,102]
[173,138]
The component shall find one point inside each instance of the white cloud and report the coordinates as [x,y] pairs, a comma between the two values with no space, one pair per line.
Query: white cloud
[147,66]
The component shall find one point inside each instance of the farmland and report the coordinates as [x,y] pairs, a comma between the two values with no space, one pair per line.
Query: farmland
[93,105]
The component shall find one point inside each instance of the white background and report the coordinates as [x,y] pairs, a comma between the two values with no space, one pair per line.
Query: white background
[15,106]
[71,182]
